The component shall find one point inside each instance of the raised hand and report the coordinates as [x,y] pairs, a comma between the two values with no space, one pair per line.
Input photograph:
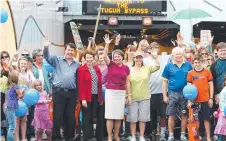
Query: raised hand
[118,38]
[47,43]
[107,39]
[135,43]
[210,39]
[180,41]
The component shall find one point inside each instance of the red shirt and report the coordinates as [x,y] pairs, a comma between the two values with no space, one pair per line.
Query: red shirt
[116,77]
[85,83]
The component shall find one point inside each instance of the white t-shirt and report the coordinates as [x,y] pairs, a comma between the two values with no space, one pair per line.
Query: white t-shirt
[156,77]
[26,78]
[41,77]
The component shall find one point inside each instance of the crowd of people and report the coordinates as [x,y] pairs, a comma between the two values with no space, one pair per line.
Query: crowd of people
[135,85]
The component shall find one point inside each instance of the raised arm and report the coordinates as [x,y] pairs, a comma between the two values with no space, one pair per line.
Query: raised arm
[51,59]
[89,48]
[107,43]
[117,41]
[14,59]
[153,69]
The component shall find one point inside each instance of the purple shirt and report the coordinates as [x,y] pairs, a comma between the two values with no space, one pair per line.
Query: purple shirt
[11,98]
[104,76]
[116,77]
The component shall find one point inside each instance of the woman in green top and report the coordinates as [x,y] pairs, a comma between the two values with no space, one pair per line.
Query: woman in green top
[139,109]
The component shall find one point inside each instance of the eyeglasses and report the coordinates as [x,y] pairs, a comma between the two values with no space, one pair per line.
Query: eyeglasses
[204,53]
[4,57]
[25,54]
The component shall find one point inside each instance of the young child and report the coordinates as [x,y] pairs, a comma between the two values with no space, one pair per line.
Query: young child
[202,79]
[14,92]
[220,129]
[42,120]
[24,80]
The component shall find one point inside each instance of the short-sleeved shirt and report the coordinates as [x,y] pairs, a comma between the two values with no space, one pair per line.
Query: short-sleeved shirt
[116,77]
[11,97]
[201,81]
[94,81]
[3,84]
[139,82]
[155,78]
[176,76]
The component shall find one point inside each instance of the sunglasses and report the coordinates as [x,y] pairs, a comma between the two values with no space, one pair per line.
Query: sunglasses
[25,54]
[4,57]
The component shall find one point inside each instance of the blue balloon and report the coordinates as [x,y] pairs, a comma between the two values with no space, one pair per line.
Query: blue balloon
[190,92]
[225,110]
[22,110]
[48,67]
[103,91]
[4,15]
[31,97]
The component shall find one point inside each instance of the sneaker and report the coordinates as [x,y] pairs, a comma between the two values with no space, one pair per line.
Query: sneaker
[44,136]
[170,139]
[152,136]
[133,139]
[141,138]
[162,138]
[128,138]
[183,138]
[32,139]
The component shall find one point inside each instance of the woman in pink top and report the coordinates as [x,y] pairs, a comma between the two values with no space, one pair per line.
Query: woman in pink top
[116,86]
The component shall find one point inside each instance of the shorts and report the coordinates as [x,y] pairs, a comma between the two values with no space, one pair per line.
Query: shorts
[139,111]
[177,104]
[158,104]
[202,111]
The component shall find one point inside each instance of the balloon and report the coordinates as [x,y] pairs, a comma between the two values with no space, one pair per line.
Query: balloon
[103,91]
[190,92]
[225,110]
[4,15]
[22,110]
[31,97]
[48,67]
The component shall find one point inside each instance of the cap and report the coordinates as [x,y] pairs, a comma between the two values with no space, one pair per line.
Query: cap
[29,58]
[139,54]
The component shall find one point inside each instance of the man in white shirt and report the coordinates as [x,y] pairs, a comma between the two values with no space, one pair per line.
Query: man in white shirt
[158,107]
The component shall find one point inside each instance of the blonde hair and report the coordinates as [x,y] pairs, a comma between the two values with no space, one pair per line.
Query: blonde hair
[36,83]
[13,78]
[18,66]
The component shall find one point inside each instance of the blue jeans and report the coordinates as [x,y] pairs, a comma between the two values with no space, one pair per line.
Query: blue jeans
[10,119]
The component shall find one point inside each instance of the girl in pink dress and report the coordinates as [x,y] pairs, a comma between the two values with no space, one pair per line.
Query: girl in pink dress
[42,120]
[220,129]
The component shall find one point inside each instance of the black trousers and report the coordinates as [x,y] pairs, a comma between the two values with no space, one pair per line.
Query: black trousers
[93,111]
[101,129]
[64,103]
[30,128]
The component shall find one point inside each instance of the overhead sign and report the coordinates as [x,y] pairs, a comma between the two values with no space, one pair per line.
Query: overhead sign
[126,7]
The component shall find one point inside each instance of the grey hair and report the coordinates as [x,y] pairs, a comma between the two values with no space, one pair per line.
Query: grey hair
[177,50]
[36,52]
